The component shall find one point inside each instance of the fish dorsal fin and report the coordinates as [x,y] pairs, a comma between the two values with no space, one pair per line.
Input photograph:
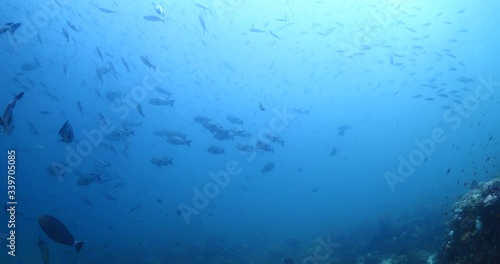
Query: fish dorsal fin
[79,245]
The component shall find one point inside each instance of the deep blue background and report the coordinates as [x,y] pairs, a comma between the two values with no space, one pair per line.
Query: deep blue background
[358,64]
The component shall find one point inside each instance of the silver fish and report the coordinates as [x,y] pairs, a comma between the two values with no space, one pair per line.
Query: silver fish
[256,30]
[161,101]
[99,53]
[202,22]
[107,11]
[139,109]
[146,61]
[65,34]
[204,8]
[72,26]
[159,10]
[154,18]
[79,106]
[262,106]
[125,64]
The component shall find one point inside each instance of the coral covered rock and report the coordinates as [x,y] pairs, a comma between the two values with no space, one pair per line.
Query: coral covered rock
[474,235]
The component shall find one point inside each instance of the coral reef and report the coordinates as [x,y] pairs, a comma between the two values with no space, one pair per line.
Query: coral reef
[474,230]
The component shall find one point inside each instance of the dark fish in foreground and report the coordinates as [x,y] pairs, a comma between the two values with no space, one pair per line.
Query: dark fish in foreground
[7,120]
[154,18]
[66,133]
[44,250]
[58,232]
[9,27]
[267,168]
[287,261]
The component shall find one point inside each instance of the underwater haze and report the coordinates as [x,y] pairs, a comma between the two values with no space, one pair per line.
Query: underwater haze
[243,132]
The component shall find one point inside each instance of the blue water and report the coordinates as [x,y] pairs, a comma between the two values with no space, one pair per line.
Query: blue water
[415,84]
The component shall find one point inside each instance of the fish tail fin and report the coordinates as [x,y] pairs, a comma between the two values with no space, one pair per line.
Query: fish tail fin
[188,142]
[79,245]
